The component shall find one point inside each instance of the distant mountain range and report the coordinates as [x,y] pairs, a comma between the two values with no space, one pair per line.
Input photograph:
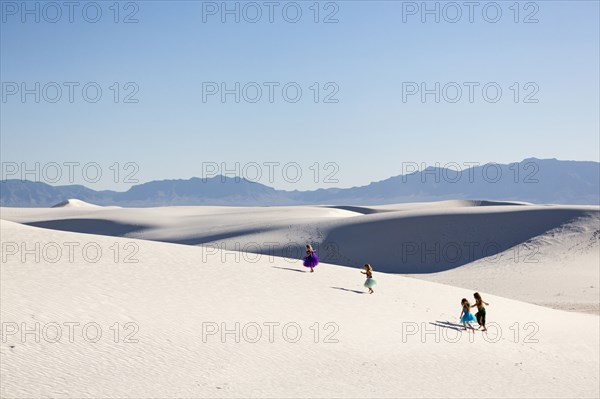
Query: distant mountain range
[531,180]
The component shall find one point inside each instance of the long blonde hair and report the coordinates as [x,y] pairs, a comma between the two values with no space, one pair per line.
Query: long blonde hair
[309,248]
[368,267]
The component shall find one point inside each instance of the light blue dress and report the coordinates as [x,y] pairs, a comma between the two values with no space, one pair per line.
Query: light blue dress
[370,282]
[467,317]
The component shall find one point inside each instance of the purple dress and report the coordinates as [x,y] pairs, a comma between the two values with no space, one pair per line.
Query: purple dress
[311,259]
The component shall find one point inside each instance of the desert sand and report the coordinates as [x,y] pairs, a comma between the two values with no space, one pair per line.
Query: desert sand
[215,302]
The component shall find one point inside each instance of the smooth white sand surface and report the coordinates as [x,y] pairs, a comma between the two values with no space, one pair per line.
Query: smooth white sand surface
[543,254]
[375,345]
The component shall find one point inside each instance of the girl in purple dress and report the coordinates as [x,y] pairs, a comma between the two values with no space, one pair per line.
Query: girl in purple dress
[311,259]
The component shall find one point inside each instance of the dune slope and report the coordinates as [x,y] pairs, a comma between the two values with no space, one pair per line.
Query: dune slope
[177,296]
[503,248]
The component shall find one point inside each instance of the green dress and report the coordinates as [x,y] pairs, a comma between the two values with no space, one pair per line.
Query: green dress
[370,282]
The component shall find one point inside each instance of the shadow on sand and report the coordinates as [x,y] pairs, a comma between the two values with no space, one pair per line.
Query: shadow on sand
[447,324]
[287,268]
[90,226]
[346,289]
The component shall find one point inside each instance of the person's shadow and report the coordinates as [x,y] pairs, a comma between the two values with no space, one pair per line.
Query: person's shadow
[346,289]
[290,269]
[447,324]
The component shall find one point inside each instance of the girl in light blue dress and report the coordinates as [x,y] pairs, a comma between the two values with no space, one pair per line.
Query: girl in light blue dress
[466,317]
[370,282]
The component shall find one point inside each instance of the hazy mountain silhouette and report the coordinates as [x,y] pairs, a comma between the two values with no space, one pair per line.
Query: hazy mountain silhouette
[532,180]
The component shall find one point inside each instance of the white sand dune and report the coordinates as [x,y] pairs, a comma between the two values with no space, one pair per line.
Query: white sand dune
[559,268]
[75,203]
[504,248]
[413,206]
[175,290]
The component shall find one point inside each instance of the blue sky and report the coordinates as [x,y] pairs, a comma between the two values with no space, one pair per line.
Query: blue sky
[177,49]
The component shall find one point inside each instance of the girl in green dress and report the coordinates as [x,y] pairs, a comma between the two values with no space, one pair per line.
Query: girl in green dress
[480,315]
[370,282]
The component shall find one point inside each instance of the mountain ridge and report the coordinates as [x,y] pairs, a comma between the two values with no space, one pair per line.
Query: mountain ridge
[531,180]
